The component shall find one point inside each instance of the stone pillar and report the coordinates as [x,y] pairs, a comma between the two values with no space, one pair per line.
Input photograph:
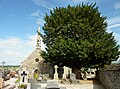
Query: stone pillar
[64,74]
[56,74]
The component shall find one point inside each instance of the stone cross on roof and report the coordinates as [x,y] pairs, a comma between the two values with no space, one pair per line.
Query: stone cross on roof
[38,43]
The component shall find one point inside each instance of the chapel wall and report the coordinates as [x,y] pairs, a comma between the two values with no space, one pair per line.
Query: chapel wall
[46,68]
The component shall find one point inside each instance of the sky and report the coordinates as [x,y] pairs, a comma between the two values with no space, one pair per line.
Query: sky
[19,22]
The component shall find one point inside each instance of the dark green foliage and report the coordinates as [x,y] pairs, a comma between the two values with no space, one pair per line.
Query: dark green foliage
[76,37]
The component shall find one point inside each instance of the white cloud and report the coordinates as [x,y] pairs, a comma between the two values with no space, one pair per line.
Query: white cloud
[11,49]
[43,3]
[117,35]
[32,40]
[12,42]
[40,21]
[14,50]
[114,23]
[114,20]
[38,16]
[113,26]
[117,5]
[36,13]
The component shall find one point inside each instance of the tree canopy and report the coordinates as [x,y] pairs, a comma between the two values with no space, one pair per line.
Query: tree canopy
[76,36]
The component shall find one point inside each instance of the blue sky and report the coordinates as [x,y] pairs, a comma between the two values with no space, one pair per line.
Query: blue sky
[19,18]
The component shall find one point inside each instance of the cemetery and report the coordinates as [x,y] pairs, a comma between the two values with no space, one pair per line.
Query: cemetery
[37,76]
[41,75]
[43,81]
[79,54]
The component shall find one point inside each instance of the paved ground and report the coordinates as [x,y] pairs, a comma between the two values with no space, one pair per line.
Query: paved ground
[89,84]
[83,86]
[10,82]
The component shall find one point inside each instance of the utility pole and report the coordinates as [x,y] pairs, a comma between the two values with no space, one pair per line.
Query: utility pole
[3,66]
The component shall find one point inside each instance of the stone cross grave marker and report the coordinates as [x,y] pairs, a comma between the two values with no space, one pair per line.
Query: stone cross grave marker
[67,72]
[23,75]
[64,73]
[56,74]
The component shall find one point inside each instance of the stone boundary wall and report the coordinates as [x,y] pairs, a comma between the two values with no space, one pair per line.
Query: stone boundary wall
[109,78]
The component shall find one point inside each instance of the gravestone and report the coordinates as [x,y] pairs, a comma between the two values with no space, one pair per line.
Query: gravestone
[56,74]
[70,70]
[51,84]
[32,82]
[46,75]
[2,74]
[64,73]
[43,78]
[1,83]
[73,78]
[1,80]
[24,76]
[67,72]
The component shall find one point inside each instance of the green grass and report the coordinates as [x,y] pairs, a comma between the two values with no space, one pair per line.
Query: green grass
[18,80]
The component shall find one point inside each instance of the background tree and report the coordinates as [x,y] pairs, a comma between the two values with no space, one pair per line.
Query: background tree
[76,36]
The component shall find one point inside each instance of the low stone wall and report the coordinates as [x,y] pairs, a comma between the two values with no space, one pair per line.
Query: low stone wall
[109,78]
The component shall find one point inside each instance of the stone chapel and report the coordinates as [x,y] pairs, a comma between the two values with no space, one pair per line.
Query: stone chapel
[35,62]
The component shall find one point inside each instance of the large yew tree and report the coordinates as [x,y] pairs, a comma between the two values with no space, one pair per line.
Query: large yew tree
[76,36]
